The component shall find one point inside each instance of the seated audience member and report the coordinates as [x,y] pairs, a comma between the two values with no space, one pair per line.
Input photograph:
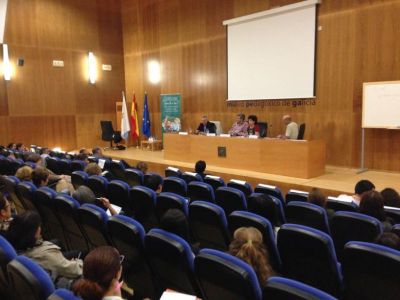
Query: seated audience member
[292,129]
[239,128]
[24,173]
[102,271]
[389,239]
[315,196]
[253,128]
[97,152]
[40,177]
[154,183]
[84,195]
[5,214]
[200,168]
[360,188]
[84,151]
[142,166]
[372,205]
[83,157]
[12,146]
[24,234]
[206,126]
[247,244]
[93,169]
[20,147]
[390,197]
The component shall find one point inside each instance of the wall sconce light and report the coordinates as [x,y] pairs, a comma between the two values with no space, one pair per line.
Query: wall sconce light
[6,63]
[92,68]
[154,70]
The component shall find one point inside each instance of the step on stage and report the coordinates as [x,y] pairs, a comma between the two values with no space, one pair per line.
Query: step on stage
[335,181]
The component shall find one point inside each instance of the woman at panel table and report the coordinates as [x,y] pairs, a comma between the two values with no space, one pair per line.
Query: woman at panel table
[239,128]
[253,128]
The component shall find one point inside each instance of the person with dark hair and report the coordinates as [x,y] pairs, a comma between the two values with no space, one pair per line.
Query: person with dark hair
[206,126]
[389,239]
[315,196]
[84,151]
[153,182]
[40,176]
[239,128]
[247,244]
[20,147]
[253,128]
[200,168]
[83,157]
[142,166]
[360,188]
[97,152]
[12,146]
[5,214]
[24,234]
[372,205]
[102,271]
[391,197]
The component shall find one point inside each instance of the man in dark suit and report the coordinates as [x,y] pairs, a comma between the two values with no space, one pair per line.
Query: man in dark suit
[206,126]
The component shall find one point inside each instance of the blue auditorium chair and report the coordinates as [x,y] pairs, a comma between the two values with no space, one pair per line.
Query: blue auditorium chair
[201,191]
[396,229]
[243,186]
[144,202]
[175,185]
[63,294]
[172,172]
[190,177]
[98,185]
[350,226]
[45,203]
[65,166]
[5,166]
[127,235]
[239,219]
[337,204]
[79,178]
[270,190]
[393,213]
[134,177]
[14,165]
[172,261]
[307,214]
[209,225]
[166,200]
[10,185]
[308,255]
[279,288]
[28,280]
[371,271]
[30,164]
[214,181]
[52,164]
[295,195]
[225,277]
[77,165]
[118,194]
[93,221]
[25,192]
[268,207]
[67,210]
[7,254]
[230,199]
[117,169]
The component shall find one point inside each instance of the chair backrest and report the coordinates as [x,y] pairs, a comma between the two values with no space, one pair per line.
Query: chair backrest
[25,192]
[350,226]
[118,194]
[307,214]
[10,184]
[271,190]
[28,280]
[65,166]
[79,178]
[218,127]
[308,255]
[173,172]
[144,206]
[201,191]
[371,271]
[209,225]
[134,177]
[263,129]
[107,131]
[239,219]
[167,201]
[268,207]
[127,235]
[214,181]
[77,165]
[93,221]
[393,213]
[98,184]
[294,195]
[5,166]
[14,165]
[175,185]
[63,294]
[302,129]
[190,177]
[337,204]
[225,277]
[172,260]
[243,186]
[279,288]
[396,229]
[230,199]
[7,254]
[52,164]
[117,169]
[67,210]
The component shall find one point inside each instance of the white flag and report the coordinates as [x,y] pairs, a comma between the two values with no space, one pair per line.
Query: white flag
[125,126]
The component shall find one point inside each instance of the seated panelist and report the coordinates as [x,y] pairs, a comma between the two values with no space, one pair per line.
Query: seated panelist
[253,128]
[206,126]
[292,129]
[239,128]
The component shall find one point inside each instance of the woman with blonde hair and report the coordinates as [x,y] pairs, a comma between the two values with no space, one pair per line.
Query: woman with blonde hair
[247,244]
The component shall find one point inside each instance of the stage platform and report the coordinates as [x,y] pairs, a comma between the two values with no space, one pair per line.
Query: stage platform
[335,181]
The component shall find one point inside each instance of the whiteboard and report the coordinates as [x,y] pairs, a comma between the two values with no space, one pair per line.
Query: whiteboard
[3,11]
[381,105]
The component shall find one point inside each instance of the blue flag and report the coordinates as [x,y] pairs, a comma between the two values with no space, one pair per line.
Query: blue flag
[146,118]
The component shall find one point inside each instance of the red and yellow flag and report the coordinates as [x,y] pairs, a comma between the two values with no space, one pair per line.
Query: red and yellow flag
[134,119]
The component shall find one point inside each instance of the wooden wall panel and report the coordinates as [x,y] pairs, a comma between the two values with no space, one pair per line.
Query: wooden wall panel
[358,42]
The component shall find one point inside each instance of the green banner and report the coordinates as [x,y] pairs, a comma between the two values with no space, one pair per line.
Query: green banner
[171,113]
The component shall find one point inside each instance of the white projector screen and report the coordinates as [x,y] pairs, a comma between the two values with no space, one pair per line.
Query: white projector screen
[3,12]
[271,54]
